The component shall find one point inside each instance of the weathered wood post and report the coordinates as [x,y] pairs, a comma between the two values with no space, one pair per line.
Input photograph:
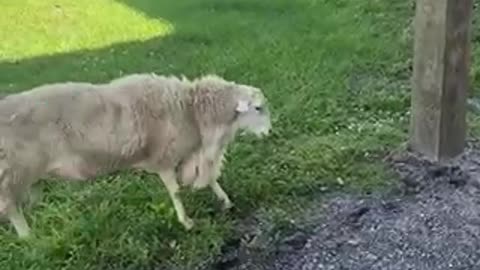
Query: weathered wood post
[440,77]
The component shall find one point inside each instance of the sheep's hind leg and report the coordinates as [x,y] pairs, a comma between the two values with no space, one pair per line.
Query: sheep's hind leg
[10,210]
[10,206]
[170,181]
[17,218]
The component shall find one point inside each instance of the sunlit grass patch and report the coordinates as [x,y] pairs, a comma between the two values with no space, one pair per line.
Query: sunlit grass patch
[32,28]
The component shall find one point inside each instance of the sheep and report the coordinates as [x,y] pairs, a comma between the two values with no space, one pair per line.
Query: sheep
[175,127]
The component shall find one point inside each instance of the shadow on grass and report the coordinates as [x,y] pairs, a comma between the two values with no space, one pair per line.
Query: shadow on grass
[103,64]
[183,9]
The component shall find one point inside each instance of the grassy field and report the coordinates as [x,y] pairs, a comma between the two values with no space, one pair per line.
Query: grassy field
[335,71]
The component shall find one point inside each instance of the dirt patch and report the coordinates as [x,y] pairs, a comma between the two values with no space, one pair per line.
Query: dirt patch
[430,220]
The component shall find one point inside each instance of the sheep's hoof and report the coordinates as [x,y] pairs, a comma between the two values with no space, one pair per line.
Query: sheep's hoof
[23,232]
[24,235]
[227,205]
[188,223]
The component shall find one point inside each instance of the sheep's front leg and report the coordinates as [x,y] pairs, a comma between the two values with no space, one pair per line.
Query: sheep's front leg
[221,194]
[170,180]
[216,167]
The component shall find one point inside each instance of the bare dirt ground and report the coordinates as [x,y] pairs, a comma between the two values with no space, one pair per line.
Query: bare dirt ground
[429,220]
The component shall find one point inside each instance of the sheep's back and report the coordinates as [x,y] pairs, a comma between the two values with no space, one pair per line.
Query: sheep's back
[74,119]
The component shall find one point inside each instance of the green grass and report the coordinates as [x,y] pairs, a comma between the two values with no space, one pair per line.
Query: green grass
[336,73]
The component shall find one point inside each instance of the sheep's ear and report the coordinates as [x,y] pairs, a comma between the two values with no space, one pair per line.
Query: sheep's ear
[242,106]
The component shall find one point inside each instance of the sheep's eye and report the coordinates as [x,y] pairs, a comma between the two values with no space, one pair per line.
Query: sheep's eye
[258,109]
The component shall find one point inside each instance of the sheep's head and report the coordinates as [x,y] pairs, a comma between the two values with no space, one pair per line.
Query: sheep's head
[229,103]
[252,111]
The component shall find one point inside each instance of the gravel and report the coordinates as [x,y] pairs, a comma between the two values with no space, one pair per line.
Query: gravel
[430,220]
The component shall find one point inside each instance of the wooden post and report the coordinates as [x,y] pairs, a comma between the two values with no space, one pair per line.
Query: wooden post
[440,77]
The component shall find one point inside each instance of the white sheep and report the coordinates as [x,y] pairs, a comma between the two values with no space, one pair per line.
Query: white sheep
[174,127]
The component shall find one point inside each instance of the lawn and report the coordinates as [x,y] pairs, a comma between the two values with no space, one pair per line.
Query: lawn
[336,73]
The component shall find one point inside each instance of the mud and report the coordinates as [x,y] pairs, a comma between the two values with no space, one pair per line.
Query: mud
[428,220]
